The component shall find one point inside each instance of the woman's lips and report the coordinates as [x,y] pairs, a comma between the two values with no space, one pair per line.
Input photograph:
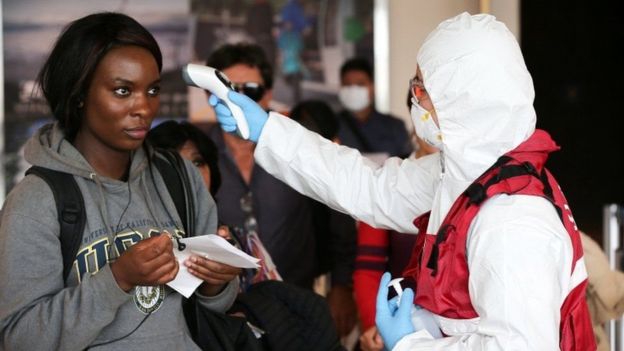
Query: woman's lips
[137,133]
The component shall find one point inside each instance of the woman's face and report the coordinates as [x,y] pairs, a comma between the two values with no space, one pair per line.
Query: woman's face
[189,151]
[121,102]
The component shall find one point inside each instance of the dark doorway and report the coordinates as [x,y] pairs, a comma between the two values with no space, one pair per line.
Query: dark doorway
[572,49]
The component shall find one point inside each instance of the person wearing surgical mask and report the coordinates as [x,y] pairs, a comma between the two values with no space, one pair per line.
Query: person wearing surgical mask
[361,125]
[498,262]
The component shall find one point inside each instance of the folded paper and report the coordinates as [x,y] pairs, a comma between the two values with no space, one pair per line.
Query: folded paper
[212,247]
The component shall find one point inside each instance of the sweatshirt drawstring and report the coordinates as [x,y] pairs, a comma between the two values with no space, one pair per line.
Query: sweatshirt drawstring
[101,205]
[149,202]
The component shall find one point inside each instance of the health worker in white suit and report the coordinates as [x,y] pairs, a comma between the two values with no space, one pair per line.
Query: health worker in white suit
[473,100]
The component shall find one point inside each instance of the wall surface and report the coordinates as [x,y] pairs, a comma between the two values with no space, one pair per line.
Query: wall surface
[573,54]
[508,12]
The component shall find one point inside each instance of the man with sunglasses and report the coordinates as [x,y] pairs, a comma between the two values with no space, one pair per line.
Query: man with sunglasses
[278,210]
[284,219]
[498,262]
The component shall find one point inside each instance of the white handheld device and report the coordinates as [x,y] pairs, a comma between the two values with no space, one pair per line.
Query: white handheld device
[218,84]
[396,284]
[421,318]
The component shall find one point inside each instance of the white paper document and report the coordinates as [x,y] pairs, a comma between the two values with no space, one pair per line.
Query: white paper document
[212,247]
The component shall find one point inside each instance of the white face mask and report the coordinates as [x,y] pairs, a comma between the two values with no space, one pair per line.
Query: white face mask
[354,97]
[426,129]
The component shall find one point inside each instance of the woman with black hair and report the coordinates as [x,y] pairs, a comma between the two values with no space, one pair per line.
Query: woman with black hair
[192,144]
[102,82]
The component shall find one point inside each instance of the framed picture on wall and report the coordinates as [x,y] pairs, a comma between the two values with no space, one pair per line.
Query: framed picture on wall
[305,41]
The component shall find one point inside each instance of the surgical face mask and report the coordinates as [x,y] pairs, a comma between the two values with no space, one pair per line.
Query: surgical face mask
[426,129]
[354,97]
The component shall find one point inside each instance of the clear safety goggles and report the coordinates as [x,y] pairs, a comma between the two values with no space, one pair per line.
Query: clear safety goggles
[417,89]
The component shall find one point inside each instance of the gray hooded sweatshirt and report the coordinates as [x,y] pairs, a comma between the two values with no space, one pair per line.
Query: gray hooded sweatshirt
[39,311]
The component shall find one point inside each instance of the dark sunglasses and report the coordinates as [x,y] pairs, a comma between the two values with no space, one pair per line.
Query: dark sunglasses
[254,91]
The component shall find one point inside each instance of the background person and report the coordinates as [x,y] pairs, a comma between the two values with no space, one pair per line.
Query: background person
[249,197]
[194,145]
[605,291]
[335,231]
[361,126]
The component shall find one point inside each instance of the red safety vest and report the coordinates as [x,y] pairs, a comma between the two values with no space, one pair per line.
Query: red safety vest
[440,271]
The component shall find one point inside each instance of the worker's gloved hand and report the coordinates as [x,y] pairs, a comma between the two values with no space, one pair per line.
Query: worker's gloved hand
[393,322]
[255,115]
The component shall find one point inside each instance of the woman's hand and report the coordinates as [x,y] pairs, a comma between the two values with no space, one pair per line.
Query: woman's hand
[214,274]
[149,262]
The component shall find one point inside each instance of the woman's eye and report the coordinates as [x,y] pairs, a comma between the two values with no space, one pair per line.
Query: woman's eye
[199,163]
[155,91]
[123,91]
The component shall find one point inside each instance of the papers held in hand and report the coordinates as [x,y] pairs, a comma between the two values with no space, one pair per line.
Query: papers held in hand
[212,247]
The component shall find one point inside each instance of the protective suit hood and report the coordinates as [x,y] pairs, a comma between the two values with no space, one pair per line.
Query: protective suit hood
[483,94]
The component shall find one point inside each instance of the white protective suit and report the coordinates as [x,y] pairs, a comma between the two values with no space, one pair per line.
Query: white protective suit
[519,254]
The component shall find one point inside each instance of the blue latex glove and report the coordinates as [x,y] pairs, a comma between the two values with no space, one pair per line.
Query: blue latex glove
[393,322]
[256,116]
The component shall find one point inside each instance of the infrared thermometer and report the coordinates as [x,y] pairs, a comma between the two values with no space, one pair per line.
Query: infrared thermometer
[396,284]
[218,84]
[421,318]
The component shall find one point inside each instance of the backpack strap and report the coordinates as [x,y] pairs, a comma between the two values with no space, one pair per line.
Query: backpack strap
[71,212]
[173,172]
